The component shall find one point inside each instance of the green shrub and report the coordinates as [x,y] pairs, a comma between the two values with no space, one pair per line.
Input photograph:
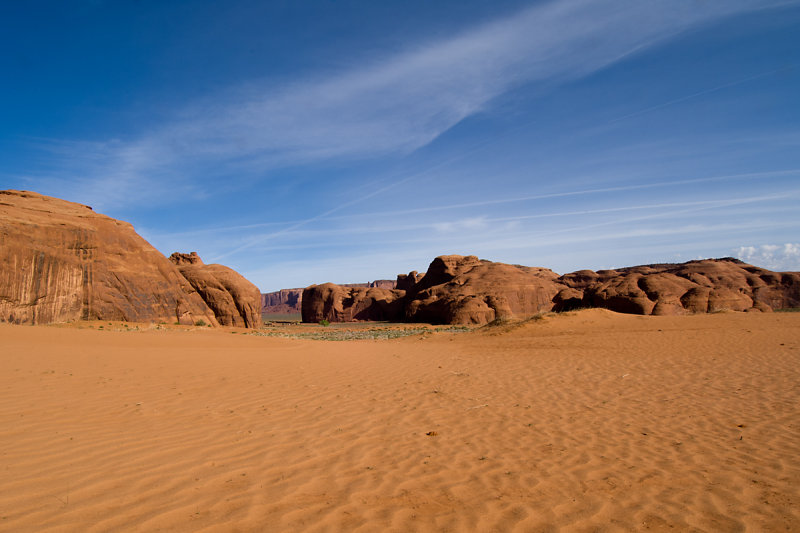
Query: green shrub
[324,322]
[200,323]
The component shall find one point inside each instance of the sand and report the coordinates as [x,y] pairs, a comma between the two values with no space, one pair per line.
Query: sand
[589,421]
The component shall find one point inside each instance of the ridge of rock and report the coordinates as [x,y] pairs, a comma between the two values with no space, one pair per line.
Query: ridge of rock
[467,290]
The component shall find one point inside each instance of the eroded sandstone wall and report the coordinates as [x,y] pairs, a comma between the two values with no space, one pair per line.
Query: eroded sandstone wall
[60,261]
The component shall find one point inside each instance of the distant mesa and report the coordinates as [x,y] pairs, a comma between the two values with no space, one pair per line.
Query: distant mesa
[60,262]
[467,290]
[284,301]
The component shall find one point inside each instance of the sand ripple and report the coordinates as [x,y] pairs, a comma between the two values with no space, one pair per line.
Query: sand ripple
[587,422]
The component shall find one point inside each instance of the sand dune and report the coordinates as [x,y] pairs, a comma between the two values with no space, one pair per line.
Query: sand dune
[587,422]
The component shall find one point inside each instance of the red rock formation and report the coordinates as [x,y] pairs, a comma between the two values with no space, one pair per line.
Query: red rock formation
[701,286]
[348,304]
[284,301]
[455,290]
[467,290]
[288,301]
[234,300]
[406,282]
[60,261]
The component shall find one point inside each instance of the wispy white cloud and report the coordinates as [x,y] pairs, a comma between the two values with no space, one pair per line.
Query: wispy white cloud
[389,228]
[779,257]
[583,192]
[402,102]
[392,104]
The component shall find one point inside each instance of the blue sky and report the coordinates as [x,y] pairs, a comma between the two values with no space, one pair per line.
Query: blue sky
[305,142]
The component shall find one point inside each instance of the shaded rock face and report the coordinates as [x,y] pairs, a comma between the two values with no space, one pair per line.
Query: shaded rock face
[467,290]
[287,301]
[347,304]
[60,261]
[406,281]
[233,299]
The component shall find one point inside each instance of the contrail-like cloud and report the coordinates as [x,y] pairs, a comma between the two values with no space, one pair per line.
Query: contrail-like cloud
[391,104]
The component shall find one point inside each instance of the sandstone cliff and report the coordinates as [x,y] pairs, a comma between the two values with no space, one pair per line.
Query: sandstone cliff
[233,299]
[284,301]
[60,261]
[467,290]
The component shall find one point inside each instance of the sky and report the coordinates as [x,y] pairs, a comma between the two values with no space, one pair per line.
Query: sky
[302,142]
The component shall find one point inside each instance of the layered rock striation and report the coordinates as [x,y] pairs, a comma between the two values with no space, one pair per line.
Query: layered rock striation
[60,261]
[284,301]
[233,299]
[467,290]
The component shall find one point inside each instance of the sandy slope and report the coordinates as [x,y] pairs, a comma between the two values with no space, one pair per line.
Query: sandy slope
[588,422]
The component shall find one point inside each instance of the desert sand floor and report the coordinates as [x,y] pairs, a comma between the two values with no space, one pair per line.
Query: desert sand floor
[586,422]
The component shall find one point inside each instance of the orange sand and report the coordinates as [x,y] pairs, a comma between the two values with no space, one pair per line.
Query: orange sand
[587,422]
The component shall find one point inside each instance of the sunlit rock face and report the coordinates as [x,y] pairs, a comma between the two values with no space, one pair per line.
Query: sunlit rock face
[467,290]
[703,286]
[60,261]
[234,300]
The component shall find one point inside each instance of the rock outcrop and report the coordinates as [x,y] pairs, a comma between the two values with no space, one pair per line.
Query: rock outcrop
[233,299]
[702,286]
[406,281]
[288,301]
[348,304]
[467,290]
[60,261]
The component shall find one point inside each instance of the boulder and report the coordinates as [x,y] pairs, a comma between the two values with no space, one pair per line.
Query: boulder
[233,299]
[60,261]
